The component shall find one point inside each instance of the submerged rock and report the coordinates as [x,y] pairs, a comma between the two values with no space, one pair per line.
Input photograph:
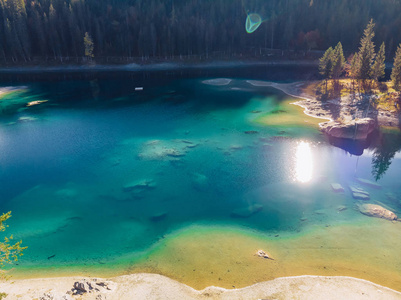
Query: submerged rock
[142,184]
[217,81]
[337,188]
[200,181]
[158,216]
[342,208]
[359,193]
[368,183]
[173,152]
[164,150]
[354,129]
[27,119]
[246,212]
[377,211]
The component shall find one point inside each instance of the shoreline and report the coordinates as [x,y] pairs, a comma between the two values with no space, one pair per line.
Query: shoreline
[154,286]
[179,257]
[154,66]
[292,90]
[314,108]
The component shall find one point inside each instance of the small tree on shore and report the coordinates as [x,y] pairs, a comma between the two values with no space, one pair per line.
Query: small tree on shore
[326,65]
[378,69]
[8,251]
[396,72]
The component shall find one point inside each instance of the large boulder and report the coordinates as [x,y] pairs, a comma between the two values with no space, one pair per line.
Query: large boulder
[377,211]
[355,129]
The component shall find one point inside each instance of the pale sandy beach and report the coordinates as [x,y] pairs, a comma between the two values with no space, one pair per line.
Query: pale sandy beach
[153,286]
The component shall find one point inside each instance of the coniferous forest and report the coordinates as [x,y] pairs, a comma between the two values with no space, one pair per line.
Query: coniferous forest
[56,29]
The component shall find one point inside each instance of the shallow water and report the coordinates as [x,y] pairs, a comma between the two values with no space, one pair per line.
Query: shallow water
[101,175]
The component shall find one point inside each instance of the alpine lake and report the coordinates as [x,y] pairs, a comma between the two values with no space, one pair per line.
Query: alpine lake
[188,173]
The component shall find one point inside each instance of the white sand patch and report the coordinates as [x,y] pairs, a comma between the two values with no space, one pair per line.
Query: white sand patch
[217,81]
[153,286]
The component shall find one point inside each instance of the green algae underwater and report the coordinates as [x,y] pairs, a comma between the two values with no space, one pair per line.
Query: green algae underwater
[187,179]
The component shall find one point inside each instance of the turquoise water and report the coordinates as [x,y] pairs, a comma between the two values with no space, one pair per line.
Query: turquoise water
[102,170]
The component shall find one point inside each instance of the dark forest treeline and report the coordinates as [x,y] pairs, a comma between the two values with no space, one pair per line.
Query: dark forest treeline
[165,28]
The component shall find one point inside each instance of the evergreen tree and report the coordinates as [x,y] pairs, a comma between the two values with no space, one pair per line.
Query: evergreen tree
[354,69]
[338,61]
[326,64]
[379,66]
[396,72]
[366,52]
[88,43]
[43,28]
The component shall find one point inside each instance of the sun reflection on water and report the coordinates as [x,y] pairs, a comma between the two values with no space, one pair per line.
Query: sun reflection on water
[303,162]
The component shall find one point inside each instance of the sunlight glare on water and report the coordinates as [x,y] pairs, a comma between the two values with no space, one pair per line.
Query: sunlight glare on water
[303,162]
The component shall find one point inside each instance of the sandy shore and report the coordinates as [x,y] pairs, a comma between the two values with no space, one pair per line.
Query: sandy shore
[311,106]
[153,286]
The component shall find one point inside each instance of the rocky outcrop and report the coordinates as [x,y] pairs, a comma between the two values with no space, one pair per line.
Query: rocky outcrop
[355,129]
[377,211]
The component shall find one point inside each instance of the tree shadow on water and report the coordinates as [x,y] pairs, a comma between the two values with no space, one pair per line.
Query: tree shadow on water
[388,145]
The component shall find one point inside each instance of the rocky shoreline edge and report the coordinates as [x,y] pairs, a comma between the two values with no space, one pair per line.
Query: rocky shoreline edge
[154,286]
[344,124]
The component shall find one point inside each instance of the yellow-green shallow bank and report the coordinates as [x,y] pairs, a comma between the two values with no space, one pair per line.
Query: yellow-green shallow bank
[201,256]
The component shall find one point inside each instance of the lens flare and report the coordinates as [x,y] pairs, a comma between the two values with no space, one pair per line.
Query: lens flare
[252,23]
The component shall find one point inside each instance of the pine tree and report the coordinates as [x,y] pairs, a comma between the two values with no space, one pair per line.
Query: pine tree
[379,66]
[326,64]
[88,43]
[396,72]
[354,69]
[338,61]
[366,52]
